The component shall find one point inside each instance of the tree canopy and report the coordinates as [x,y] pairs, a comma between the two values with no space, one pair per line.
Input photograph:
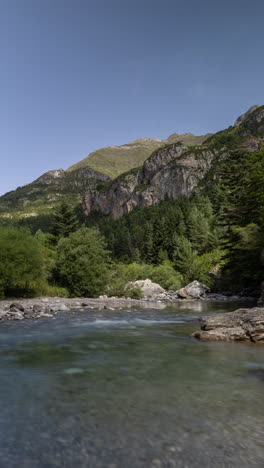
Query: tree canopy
[83,262]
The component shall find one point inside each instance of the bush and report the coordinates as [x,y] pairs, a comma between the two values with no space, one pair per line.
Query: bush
[164,274]
[83,263]
[21,262]
[43,288]
[133,293]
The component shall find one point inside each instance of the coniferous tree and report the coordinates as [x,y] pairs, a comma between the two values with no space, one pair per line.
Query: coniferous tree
[64,222]
[149,254]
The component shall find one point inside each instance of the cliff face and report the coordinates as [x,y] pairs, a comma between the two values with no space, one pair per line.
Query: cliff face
[115,160]
[170,172]
[175,170]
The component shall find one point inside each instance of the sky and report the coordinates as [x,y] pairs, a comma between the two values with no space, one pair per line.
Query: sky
[78,75]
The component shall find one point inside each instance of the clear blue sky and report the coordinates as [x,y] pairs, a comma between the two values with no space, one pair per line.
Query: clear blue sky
[77,75]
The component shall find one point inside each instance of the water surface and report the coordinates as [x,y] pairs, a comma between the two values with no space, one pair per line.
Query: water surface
[129,388]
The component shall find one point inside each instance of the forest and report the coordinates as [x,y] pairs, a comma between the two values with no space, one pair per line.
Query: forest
[215,236]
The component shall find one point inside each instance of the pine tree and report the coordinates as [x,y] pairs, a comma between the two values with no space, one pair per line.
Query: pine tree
[64,222]
[149,253]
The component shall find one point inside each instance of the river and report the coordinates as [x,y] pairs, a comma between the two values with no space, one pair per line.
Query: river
[129,388]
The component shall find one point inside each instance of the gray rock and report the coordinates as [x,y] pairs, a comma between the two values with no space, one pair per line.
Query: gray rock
[61,307]
[194,290]
[149,289]
[17,306]
[222,334]
[37,308]
[244,116]
[167,174]
[240,325]
[45,314]
[13,310]
[14,314]
[182,293]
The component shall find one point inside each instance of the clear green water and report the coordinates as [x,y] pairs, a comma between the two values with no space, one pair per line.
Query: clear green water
[123,389]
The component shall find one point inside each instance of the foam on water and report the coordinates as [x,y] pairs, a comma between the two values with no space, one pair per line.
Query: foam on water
[125,322]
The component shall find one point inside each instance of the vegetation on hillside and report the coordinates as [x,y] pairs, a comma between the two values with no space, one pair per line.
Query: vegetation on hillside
[114,160]
[215,236]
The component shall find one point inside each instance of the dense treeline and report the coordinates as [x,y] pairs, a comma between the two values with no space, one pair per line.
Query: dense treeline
[215,236]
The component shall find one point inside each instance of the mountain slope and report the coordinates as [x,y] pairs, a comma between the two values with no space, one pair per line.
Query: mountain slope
[114,160]
[43,193]
[47,190]
[175,169]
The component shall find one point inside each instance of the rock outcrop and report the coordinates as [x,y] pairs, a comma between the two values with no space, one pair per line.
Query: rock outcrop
[194,290]
[252,122]
[51,187]
[241,325]
[176,169]
[168,173]
[152,291]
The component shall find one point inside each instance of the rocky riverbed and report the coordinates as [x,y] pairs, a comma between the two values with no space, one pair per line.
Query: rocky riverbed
[41,307]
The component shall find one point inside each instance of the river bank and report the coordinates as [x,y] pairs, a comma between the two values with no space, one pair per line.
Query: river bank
[40,307]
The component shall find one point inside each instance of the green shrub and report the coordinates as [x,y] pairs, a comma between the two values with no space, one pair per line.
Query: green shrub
[83,263]
[21,262]
[133,293]
[163,274]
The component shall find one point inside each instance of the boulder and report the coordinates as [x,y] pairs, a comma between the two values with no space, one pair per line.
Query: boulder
[37,308]
[240,325]
[14,314]
[17,306]
[194,290]
[182,293]
[149,289]
[222,334]
[60,308]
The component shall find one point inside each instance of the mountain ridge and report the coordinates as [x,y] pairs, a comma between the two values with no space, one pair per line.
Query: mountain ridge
[132,162]
[113,160]
[44,192]
[175,170]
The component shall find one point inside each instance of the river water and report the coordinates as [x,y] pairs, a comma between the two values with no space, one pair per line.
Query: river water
[129,388]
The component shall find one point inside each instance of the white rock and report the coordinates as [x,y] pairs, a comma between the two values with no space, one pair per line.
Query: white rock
[149,289]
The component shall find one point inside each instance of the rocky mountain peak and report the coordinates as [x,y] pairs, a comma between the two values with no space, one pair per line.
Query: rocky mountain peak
[48,177]
[244,116]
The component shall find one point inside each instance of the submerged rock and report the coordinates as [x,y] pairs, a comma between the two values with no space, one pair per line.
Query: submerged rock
[240,325]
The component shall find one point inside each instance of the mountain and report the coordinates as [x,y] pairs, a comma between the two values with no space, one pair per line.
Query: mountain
[42,194]
[99,167]
[176,169]
[114,160]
